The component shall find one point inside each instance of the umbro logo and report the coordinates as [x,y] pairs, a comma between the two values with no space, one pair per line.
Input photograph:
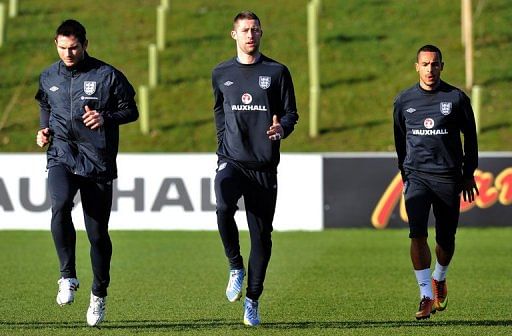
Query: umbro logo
[410,110]
[54,88]
[228,83]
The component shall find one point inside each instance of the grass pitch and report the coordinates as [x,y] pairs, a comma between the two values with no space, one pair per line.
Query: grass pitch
[336,282]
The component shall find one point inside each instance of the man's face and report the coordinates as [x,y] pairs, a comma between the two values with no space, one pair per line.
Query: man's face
[247,34]
[70,50]
[429,67]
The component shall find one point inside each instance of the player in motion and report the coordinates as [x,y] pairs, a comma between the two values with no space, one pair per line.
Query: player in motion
[436,167]
[254,110]
[82,103]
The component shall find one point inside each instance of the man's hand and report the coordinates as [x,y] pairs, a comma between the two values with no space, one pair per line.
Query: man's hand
[43,137]
[275,132]
[92,118]
[468,189]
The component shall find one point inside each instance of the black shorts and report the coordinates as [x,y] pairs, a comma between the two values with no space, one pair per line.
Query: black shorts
[422,193]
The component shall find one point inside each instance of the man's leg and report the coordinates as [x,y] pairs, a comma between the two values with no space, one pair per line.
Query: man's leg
[228,190]
[97,204]
[418,203]
[260,203]
[420,253]
[63,189]
[446,211]
[444,254]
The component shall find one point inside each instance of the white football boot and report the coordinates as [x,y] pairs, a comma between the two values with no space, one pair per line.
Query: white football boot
[251,314]
[96,311]
[235,282]
[67,290]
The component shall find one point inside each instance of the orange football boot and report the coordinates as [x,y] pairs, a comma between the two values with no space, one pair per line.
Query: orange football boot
[425,308]
[440,294]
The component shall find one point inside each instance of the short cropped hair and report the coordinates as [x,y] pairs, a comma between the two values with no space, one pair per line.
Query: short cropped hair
[246,15]
[72,28]
[430,48]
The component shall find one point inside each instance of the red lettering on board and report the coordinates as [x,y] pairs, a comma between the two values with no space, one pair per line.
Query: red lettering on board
[491,191]
[504,184]
[488,194]
[387,203]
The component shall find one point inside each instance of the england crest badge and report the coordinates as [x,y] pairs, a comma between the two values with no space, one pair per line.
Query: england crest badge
[89,87]
[446,108]
[264,82]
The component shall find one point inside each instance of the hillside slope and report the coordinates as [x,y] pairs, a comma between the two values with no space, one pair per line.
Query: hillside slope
[367,56]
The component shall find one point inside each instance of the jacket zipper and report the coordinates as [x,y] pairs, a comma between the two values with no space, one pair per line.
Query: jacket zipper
[71,108]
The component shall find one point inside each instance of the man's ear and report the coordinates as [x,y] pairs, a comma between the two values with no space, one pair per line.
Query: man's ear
[86,42]
[233,35]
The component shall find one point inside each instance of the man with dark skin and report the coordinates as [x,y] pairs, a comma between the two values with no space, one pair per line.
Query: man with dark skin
[436,167]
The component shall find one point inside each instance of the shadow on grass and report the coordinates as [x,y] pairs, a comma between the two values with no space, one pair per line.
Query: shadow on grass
[342,38]
[495,127]
[339,129]
[496,80]
[198,40]
[220,324]
[181,80]
[187,124]
[19,81]
[384,324]
[348,81]
[37,11]
[494,41]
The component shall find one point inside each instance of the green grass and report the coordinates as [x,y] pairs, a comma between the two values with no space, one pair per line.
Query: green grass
[336,282]
[367,52]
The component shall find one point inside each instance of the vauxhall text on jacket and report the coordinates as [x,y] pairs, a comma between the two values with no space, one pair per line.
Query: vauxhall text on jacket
[428,127]
[246,98]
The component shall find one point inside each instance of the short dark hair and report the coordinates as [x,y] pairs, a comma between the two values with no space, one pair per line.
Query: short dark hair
[246,15]
[430,48]
[72,28]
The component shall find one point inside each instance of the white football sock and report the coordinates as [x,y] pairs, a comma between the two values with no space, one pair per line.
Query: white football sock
[424,282]
[440,272]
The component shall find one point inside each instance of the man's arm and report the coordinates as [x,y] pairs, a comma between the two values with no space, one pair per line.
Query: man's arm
[44,106]
[124,109]
[43,134]
[289,107]
[470,161]
[400,135]
[468,128]
[218,109]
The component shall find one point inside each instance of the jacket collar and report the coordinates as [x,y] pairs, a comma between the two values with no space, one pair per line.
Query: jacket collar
[82,66]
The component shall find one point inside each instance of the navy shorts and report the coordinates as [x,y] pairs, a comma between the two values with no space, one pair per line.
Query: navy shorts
[421,194]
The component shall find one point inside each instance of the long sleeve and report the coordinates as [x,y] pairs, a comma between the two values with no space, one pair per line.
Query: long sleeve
[400,135]
[218,109]
[289,108]
[468,129]
[44,106]
[124,109]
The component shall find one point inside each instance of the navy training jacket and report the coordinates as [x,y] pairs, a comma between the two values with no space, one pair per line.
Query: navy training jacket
[63,94]
[246,97]
[428,127]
